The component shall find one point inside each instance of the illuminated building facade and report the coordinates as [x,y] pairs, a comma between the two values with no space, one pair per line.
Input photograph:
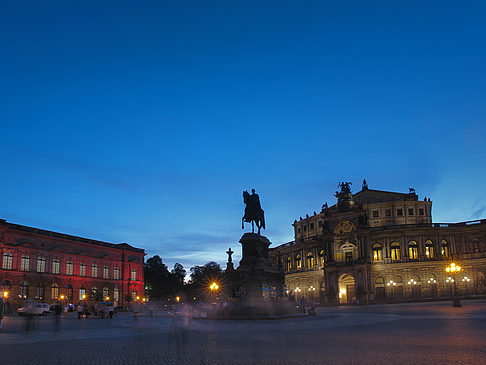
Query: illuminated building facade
[379,246]
[49,266]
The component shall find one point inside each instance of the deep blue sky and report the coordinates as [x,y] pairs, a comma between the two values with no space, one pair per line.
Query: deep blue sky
[143,122]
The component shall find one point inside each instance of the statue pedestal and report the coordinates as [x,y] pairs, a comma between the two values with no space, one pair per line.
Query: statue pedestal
[260,281]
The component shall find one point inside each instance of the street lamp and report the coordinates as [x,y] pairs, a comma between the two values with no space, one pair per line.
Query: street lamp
[391,284]
[412,282]
[453,268]
[466,280]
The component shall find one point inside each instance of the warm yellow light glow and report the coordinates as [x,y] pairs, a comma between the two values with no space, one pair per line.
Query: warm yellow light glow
[214,286]
[107,298]
[448,269]
[138,298]
[143,299]
[178,299]
[84,296]
[5,294]
[62,296]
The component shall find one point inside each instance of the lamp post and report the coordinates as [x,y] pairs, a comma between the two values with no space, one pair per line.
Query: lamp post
[466,280]
[213,288]
[412,282]
[432,282]
[2,308]
[391,284]
[453,269]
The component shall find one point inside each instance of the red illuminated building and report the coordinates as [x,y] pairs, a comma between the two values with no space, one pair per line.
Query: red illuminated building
[49,266]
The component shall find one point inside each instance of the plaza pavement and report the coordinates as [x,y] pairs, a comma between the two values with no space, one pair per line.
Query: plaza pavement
[432,333]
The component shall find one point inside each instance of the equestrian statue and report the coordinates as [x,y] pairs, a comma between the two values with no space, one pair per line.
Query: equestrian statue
[253,211]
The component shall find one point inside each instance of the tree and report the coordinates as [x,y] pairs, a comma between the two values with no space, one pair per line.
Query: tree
[156,276]
[201,275]
[179,273]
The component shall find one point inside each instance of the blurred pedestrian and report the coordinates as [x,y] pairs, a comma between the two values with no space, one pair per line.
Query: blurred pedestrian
[57,321]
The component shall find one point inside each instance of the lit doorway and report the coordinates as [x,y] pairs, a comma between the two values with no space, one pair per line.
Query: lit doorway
[347,287]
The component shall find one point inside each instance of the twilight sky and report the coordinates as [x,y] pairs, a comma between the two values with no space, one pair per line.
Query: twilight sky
[143,121]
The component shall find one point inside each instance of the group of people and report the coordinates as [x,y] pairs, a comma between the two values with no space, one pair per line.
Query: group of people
[99,310]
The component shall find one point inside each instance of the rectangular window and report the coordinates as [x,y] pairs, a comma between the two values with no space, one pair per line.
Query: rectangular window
[421,211]
[395,253]
[134,275]
[116,273]
[94,271]
[41,264]
[69,268]
[56,266]
[410,211]
[25,263]
[82,269]
[116,295]
[376,214]
[106,272]
[7,261]
[305,228]
[298,230]
[40,292]
[312,226]
[82,294]
[54,291]
[388,213]
[400,212]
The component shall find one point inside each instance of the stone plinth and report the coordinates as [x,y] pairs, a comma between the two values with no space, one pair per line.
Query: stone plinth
[256,271]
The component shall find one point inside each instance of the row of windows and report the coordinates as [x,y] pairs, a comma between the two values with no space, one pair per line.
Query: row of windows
[413,252]
[7,264]
[400,212]
[298,261]
[55,292]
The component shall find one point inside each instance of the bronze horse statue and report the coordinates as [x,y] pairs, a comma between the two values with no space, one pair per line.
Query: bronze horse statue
[254,213]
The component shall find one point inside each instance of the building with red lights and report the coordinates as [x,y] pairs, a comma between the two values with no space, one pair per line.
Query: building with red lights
[49,266]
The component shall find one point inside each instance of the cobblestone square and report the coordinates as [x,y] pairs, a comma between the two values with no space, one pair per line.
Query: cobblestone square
[393,334]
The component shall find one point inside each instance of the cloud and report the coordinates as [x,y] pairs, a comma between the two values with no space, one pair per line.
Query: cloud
[479,212]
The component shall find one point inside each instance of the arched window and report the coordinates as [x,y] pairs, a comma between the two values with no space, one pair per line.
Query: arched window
[40,291]
[56,267]
[6,285]
[377,252]
[69,268]
[54,291]
[94,271]
[321,258]
[69,292]
[134,275]
[41,264]
[412,250]
[444,248]
[395,251]
[82,293]
[106,295]
[24,290]
[289,264]
[116,273]
[93,293]
[7,261]
[310,260]
[25,263]
[429,249]
[298,262]
[380,281]
[398,279]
